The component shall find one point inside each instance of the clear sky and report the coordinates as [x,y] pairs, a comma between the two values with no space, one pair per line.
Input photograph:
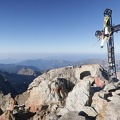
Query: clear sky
[54,26]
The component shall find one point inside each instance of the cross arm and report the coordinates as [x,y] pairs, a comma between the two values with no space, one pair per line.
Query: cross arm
[116,28]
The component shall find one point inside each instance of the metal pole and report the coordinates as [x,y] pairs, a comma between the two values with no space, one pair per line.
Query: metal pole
[110,48]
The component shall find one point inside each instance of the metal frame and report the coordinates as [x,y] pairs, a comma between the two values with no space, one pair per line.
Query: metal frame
[110,44]
[110,47]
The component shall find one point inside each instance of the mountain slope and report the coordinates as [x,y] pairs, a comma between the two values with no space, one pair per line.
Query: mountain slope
[6,87]
[15,83]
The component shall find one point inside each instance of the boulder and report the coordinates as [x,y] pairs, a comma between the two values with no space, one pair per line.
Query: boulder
[93,70]
[107,109]
[47,92]
[79,96]
[21,99]
[73,115]
[79,99]
[6,102]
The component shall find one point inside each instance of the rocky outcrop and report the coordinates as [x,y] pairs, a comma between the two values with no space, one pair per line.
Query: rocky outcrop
[6,102]
[27,71]
[106,102]
[21,99]
[79,99]
[18,113]
[53,86]
[71,93]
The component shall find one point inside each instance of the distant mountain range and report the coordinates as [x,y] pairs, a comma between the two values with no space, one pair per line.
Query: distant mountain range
[15,79]
[46,64]
[14,68]
[51,64]
[41,65]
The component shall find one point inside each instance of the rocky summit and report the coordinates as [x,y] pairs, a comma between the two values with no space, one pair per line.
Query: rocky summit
[68,93]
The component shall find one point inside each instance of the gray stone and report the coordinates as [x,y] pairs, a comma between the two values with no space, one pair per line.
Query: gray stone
[107,110]
[110,86]
[73,115]
[79,96]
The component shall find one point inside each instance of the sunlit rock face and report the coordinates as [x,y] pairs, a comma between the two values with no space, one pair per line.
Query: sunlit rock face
[53,86]
[71,92]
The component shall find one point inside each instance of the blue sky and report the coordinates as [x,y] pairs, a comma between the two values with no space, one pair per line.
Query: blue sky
[54,26]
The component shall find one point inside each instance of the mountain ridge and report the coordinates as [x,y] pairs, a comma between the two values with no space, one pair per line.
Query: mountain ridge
[44,64]
[14,68]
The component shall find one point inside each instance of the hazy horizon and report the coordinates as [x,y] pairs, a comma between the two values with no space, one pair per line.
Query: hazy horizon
[18,57]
